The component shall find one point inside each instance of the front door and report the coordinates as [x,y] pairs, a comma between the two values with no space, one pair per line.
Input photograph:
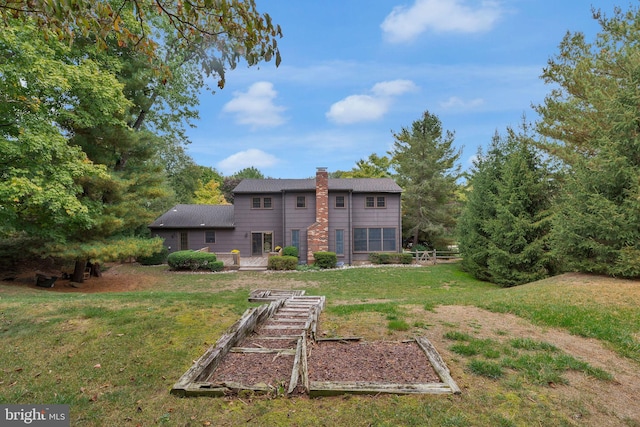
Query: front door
[261,243]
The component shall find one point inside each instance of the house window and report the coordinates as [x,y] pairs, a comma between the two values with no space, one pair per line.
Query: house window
[340,202]
[375,202]
[209,236]
[295,239]
[261,203]
[374,239]
[370,202]
[339,242]
[301,202]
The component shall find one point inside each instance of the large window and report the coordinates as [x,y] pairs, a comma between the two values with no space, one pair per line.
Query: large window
[374,240]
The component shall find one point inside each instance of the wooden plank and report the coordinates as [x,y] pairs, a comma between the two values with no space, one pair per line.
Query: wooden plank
[278,337]
[304,368]
[438,364]
[279,351]
[339,339]
[334,388]
[282,327]
[295,372]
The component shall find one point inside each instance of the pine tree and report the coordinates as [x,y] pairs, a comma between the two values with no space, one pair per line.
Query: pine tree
[480,207]
[425,162]
[504,228]
[592,118]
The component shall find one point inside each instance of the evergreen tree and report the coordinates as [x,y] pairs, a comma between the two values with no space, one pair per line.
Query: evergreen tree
[480,208]
[504,229]
[425,162]
[592,118]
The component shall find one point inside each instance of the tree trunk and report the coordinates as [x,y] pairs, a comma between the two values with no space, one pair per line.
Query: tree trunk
[95,270]
[78,271]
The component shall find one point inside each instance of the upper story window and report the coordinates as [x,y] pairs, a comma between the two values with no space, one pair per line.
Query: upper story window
[301,202]
[340,202]
[209,236]
[261,203]
[375,202]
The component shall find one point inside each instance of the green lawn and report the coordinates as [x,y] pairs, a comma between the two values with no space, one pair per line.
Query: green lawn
[113,357]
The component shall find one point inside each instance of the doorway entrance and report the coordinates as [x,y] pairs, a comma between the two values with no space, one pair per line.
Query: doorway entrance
[261,243]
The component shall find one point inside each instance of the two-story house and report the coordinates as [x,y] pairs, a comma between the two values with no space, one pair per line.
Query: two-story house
[351,217]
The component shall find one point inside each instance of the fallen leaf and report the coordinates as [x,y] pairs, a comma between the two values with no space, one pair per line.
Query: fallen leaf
[97,365]
[19,369]
[206,423]
[94,398]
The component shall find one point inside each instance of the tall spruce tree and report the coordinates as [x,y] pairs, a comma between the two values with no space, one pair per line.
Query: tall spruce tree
[479,208]
[592,118]
[504,228]
[425,162]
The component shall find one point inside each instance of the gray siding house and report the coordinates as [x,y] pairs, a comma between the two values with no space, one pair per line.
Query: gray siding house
[351,217]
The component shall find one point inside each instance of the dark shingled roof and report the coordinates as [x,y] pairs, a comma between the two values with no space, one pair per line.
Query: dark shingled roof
[357,185]
[190,216]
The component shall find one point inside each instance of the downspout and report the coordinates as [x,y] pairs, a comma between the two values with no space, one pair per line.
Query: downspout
[350,230]
[399,238]
[284,220]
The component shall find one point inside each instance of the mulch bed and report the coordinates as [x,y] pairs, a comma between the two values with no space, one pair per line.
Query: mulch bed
[392,362]
[252,368]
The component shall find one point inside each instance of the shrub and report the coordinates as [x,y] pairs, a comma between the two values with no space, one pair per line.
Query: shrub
[290,251]
[283,262]
[325,259]
[390,258]
[154,259]
[192,260]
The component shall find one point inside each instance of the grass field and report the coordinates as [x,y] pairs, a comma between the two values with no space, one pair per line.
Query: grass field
[114,356]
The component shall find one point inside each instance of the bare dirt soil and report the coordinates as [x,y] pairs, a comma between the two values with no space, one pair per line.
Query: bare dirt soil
[112,280]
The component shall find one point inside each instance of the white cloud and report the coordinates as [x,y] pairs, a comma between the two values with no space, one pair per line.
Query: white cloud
[404,23]
[393,88]
[357,108]
[246,159]
[459,104]
[364,108]
[256,107]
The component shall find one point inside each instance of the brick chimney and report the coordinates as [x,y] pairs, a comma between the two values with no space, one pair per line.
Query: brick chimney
[318,232]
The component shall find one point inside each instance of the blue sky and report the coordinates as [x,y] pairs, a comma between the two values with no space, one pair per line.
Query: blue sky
[354,72]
